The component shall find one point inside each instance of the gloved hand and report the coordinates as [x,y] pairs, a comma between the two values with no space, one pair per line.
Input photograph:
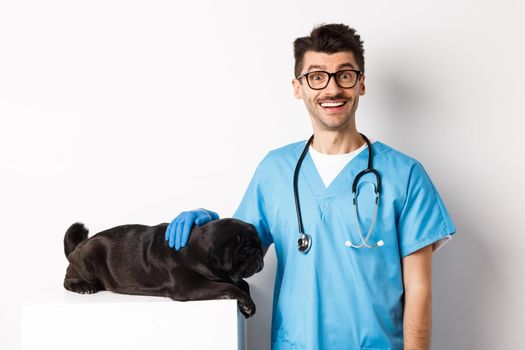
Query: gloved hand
[178,231]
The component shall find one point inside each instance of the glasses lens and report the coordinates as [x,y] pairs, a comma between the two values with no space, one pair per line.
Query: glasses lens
[317,80]
[346,78]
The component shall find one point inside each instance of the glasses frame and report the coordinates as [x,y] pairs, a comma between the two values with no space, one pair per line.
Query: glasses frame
[330,75]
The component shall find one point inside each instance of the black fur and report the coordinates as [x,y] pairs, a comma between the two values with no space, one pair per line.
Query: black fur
[75,234]
[136,259]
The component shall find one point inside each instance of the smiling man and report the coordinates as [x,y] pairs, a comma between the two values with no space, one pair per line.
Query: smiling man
[331,99]
[368,217]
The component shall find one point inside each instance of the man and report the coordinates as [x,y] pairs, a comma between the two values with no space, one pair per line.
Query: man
[336,295]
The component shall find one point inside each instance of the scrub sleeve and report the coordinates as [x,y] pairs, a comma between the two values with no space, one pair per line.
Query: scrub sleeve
[252,208]
[424,218]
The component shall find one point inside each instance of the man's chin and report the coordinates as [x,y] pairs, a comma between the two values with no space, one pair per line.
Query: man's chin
[333,123]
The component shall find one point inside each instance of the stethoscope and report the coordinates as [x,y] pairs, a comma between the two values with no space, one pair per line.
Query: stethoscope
[305,240]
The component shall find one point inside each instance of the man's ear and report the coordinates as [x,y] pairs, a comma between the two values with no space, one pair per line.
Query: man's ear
[362,87]
[297,89]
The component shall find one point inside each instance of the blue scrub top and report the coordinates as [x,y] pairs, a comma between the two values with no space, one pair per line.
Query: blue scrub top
[339,297]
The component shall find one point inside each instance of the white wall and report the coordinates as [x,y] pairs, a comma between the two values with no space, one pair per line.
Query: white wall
[107,116]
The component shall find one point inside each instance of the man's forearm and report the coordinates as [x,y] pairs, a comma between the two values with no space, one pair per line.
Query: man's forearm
[417,321]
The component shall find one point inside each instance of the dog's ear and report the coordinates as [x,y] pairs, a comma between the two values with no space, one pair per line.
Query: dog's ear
[221,259]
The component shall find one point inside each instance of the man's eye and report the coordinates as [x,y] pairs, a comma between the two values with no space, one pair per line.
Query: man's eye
[344,76]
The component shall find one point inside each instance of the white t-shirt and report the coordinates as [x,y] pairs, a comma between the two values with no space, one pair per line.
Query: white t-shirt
[330,165]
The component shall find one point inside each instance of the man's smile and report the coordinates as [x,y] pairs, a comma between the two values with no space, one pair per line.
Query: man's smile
[333,106]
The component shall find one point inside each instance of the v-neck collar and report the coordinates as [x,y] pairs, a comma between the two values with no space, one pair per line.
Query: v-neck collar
[343,180]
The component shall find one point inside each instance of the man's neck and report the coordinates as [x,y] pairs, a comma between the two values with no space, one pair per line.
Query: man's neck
[336,142]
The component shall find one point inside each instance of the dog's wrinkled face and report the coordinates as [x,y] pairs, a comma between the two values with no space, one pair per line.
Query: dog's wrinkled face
[234,248]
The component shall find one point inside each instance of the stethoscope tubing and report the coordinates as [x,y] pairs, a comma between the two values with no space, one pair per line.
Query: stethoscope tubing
[295,191]
[305,240]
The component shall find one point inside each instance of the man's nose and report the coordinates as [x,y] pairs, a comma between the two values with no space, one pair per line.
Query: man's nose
[332,87]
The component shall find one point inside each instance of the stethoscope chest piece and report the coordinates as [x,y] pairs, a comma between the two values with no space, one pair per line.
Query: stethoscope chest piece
[304,243]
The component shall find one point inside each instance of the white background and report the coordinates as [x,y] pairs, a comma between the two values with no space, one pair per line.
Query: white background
[115,112]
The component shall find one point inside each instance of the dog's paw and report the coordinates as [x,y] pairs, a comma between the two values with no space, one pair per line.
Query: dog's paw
[247,308]
[81,287]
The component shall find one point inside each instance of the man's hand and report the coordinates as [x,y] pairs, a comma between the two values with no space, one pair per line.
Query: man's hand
[417,279]
[178,231]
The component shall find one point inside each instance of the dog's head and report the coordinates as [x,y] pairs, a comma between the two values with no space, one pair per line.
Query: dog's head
[233,248]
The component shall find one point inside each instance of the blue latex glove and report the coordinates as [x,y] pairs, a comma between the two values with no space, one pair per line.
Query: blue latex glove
[178,231]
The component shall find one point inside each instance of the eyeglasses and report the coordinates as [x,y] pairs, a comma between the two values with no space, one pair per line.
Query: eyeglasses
[319,80]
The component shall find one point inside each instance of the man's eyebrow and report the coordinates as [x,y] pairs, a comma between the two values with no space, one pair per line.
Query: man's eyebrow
[342,65]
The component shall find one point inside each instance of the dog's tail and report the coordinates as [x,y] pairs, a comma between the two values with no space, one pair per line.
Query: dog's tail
[75,234]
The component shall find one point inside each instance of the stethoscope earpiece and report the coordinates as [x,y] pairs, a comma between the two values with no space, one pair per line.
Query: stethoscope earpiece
[379,243]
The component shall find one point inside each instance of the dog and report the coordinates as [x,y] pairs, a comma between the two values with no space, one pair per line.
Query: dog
[136,259]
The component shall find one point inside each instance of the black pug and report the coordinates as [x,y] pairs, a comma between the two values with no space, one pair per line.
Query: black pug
[136,259]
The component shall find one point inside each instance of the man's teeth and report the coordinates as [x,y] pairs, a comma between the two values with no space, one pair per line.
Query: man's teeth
[332,104]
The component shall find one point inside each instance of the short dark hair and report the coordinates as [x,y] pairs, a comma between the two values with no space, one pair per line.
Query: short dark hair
[329,38]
